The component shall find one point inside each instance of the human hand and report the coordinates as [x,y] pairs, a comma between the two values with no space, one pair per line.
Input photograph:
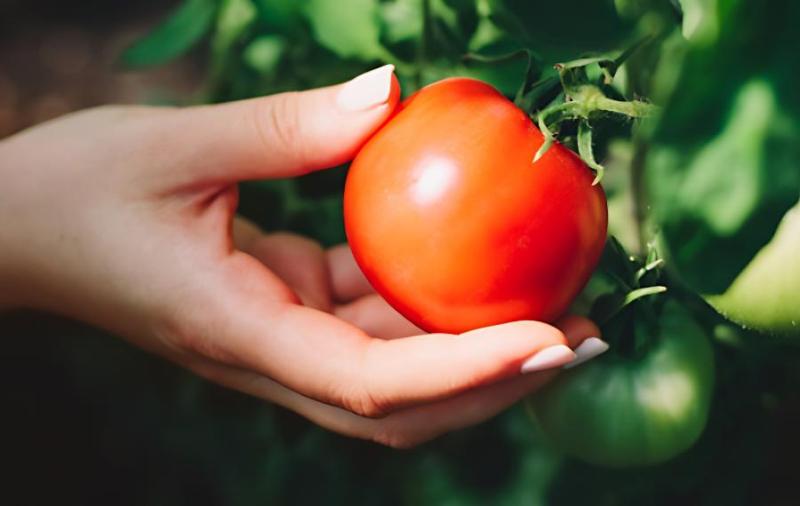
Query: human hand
[124,217]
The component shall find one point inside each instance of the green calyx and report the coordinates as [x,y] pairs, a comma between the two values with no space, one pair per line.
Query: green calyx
[581,99]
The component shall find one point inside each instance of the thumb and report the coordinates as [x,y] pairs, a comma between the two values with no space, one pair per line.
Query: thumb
[282,135]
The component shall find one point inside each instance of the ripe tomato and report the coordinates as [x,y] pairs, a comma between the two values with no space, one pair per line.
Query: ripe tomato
[456,227]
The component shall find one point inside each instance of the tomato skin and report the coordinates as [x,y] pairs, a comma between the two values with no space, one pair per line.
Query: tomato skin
[626,412]
[455,226]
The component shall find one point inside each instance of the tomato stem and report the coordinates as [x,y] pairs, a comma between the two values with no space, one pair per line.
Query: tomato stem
[580,103]
[593,99]
[632,108]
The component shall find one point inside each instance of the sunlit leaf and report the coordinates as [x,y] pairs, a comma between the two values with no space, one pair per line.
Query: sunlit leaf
[233,20]
[402,19]
[350,29]
[264,53]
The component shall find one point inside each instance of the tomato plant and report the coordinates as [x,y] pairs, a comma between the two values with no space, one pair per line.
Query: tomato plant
[456,226]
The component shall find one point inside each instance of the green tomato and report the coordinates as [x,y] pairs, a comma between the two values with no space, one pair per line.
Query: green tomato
[618,411]
[765,296]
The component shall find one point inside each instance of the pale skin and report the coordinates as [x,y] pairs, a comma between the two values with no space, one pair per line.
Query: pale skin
[124,217]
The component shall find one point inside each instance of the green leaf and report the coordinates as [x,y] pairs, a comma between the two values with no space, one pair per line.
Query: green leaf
[234,18]
[452,27]
[174,36]
[562,30]
[486,34]
[729,194]
[724,162]
[699,22]
[264,53]
[350,29]
[401,20]
[445,12]
[282,16]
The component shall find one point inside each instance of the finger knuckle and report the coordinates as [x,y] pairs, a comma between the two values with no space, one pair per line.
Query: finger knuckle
[279,125]
[361,402]
[363,395]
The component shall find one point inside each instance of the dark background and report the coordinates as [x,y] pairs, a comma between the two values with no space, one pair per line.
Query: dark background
[57,57]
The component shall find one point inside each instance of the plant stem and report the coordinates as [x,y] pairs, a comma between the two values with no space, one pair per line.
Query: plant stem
[638,193]
[633,109]
[594,100]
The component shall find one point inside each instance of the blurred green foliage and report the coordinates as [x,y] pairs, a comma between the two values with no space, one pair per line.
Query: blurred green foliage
[723,174]
[103,423]
[187,25]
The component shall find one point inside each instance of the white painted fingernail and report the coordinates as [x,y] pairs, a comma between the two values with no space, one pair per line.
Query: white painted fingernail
[367,90]
[587,350]
[548,358]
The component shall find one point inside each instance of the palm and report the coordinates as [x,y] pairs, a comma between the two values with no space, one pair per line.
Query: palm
[328,281]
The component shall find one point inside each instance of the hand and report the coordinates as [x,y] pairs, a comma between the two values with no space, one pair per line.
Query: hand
[124,217]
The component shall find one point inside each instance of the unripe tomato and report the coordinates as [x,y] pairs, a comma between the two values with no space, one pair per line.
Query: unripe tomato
[453,223]
[619,411]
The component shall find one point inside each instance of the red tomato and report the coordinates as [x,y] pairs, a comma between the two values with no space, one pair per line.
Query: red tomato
[455,226]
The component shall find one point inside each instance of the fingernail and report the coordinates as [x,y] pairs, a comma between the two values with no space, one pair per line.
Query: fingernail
[587,350]
[367,90]
[548,358]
